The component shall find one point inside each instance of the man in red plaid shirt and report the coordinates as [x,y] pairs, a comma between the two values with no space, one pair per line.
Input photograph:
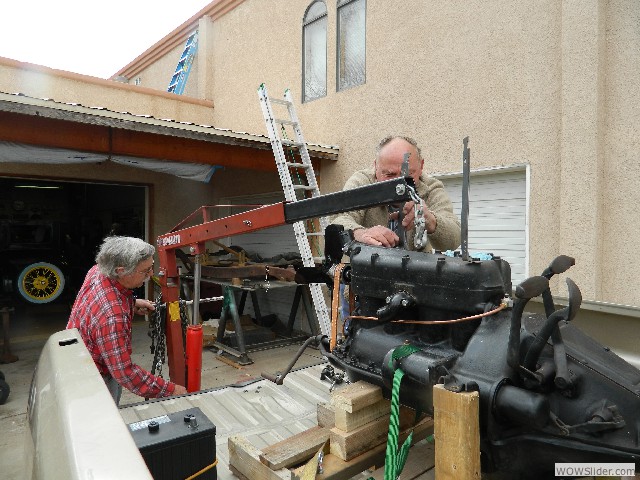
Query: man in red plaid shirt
[103,311]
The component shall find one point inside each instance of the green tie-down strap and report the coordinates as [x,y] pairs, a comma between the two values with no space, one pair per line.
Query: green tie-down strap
[396,458]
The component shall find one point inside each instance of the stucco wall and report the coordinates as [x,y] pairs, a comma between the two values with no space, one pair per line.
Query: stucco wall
[551,84]
[43,82]
[158,75]
[621,175]
[546,83]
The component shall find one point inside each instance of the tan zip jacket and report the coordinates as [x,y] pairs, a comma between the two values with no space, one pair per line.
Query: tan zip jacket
[431,190]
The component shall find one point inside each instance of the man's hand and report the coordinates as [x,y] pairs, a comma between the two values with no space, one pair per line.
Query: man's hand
[179,390]
[409,214]
[379,236]
[143,306]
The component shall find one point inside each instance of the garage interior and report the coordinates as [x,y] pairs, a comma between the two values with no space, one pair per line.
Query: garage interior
[62,223]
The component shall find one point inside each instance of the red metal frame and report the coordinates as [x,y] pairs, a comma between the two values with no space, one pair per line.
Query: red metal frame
[195,237]
[268,216]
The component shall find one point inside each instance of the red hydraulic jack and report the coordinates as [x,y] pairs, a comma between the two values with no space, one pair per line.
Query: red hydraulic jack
[185,367]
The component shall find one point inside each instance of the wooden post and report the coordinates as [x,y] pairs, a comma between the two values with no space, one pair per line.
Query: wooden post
[457,434]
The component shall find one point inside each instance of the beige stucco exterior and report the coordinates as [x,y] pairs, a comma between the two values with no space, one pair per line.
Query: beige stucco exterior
[549,84]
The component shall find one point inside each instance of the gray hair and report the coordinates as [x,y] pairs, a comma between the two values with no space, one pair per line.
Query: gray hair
[387,139]
[125,252]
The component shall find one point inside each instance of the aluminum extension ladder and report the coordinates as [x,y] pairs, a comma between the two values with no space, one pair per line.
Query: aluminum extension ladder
[302,167]
[179,78]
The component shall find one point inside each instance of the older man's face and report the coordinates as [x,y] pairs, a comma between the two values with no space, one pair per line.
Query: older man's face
[140,274]
[389,162]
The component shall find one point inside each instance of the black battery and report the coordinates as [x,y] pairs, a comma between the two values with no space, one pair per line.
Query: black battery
[177,445]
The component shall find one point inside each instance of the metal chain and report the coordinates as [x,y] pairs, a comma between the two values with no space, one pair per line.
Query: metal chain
[158,337]
[183,317]
[267,283]
[420,238]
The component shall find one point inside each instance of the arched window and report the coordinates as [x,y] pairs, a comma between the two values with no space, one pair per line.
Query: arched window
[314,52]
[350,57]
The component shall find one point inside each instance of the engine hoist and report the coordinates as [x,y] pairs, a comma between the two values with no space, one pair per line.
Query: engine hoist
[185,354]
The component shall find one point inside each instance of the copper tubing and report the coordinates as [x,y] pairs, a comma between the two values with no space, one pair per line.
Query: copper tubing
[335,304]
[502,306]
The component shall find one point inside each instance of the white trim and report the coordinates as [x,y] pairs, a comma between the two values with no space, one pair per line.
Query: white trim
[484,170]
[527,217]
[604,307]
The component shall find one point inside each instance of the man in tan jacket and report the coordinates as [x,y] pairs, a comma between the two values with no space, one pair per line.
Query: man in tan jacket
[371,225]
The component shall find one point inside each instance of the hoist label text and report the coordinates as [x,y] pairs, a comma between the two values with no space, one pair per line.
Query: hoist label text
[169,240]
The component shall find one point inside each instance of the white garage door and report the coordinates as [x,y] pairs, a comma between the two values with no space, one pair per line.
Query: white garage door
[498,221]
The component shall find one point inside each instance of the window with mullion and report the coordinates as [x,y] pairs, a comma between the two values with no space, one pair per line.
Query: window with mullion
[314,52]
[350,58]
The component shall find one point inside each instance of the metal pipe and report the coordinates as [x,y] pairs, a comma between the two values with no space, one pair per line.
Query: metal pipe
[190,302]
[464,214]
[197,275]
[279,378]
[194,357]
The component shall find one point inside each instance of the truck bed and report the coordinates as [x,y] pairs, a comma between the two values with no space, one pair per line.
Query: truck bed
[261,411]
[76,431]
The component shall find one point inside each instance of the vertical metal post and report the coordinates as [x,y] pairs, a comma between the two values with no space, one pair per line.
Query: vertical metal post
[464,214]
[197,275]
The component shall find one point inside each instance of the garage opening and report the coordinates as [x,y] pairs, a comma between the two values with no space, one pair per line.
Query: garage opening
[50,231]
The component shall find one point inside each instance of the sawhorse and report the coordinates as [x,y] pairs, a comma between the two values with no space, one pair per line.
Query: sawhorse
[232,310]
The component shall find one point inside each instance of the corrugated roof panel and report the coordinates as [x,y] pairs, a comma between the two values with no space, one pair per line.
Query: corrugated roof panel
[107,117]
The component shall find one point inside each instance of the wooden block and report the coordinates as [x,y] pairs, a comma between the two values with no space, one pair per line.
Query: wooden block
[348,422]
[457,433]
[326,415]
[336,469]
[294,450]
[347,445]
[244,460]
[209,334]
[356,396]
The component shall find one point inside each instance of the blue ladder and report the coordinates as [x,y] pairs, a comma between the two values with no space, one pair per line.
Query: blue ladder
[179,79]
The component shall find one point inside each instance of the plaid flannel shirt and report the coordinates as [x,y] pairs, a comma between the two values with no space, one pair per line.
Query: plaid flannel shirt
[102,314]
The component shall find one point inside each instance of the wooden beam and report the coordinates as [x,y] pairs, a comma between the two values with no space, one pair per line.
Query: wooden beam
[244,462]
[348,422]
[326,415]
[348,445]
[356,396]
[149,145]
[457,433]
[248,271]
[47,132]
[86,137]
[336,469]
[295,449]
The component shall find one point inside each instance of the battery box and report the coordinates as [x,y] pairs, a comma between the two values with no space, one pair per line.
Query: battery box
[177,445]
